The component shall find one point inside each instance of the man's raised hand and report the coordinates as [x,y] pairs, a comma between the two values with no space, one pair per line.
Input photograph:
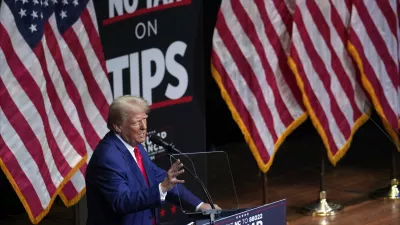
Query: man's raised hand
[171,179]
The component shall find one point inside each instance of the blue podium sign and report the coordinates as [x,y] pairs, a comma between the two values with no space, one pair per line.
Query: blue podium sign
[270,214]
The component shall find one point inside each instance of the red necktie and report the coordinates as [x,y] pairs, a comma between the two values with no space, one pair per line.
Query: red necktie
[141,167]
[140,163]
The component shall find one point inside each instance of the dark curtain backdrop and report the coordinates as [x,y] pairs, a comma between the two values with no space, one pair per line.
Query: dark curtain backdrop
[220,127]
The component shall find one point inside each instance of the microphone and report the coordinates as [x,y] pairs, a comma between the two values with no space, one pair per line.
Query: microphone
[171,148]
[159,141]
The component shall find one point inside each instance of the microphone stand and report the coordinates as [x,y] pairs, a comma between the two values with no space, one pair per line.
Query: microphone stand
[212,212]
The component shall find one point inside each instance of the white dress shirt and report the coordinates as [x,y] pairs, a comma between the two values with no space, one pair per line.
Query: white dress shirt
[131,150]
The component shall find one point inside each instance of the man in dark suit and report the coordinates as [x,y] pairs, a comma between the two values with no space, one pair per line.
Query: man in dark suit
[123,185]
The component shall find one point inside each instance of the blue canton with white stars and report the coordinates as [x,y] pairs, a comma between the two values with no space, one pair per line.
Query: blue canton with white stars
[31,15]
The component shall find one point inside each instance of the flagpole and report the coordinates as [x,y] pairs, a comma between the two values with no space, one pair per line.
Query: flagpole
[322,207]
[80,212]
[265,189]
[391,192]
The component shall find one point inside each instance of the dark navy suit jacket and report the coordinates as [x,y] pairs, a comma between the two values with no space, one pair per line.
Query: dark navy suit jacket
[117,193]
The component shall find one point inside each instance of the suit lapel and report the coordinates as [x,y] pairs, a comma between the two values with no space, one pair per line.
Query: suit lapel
[129,159]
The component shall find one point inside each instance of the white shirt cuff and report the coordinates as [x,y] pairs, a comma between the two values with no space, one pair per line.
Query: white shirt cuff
[162,194]
[198,206]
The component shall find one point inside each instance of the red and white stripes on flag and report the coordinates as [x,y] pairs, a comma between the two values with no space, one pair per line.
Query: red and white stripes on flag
[249,63]
[374,44]
[54,105]
[92,60]
[333,96]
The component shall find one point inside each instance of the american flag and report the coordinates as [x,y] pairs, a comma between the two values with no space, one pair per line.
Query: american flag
[249,63]
[332,93]
[374,43]
[54,98]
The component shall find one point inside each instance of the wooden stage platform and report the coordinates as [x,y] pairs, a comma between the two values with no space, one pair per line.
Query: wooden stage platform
[295,177]
[347,185]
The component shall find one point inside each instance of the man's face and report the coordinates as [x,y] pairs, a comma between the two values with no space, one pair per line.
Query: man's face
[134,129]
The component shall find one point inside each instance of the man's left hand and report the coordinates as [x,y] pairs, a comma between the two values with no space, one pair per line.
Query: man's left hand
[206,206]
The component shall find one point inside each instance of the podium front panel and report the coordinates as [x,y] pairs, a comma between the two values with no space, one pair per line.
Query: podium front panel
[270,214]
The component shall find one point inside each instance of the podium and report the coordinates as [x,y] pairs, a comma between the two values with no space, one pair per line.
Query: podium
[210,178]
[269,214]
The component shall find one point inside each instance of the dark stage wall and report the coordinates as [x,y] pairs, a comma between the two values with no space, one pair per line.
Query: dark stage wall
[220,127]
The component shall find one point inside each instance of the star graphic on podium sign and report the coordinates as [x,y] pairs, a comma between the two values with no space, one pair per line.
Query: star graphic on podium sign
[173,209]
[162,212]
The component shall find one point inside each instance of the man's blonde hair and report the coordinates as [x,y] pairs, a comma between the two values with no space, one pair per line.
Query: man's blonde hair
[121,106]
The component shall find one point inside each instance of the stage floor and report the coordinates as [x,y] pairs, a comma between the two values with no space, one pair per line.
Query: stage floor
[295,176]
[346,185]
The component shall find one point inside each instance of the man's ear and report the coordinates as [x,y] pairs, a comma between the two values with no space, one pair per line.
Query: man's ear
[117,128]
